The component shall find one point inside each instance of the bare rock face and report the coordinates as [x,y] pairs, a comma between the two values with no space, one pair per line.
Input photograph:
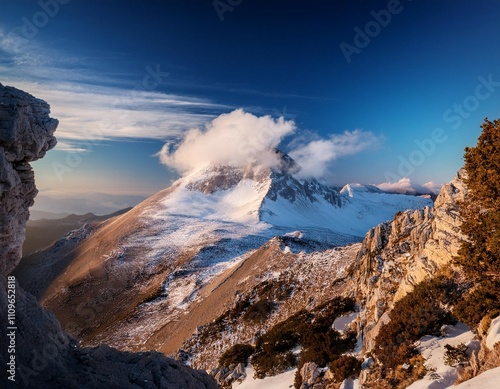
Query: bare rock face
[397,255]
[26,133]
[225,376]
[45,356]
[309,373]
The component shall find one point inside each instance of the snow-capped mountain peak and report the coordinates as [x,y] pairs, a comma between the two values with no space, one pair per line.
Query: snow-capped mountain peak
[274,200]
[351,189]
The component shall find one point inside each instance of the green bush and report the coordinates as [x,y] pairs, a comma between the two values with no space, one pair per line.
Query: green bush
[480,254]
[312,330]
[273,349]
[267,364]
[483,300]
[259,311]
[345,366]
[239,353]
[322,344]
[417,314]
[454,356]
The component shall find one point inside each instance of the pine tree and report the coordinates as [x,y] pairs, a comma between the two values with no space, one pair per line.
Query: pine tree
[480,256]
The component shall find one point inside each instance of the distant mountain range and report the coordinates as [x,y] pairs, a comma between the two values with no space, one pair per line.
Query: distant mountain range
[44,228]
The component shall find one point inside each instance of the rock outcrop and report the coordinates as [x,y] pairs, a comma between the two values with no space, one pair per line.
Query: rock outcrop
[45,356]
[26,133]
[225,376]
[397,255]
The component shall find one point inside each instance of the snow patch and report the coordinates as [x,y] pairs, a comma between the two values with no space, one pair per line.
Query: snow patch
[280,381]
[350,384]
[342,323]
[361,209]
[433,349]
[493,333]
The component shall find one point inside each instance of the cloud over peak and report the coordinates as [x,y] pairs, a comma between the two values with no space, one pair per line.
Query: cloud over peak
[237,138]
[240,138]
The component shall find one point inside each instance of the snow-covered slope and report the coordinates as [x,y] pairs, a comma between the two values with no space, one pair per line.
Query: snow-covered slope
[237,209]
[488,380]
[279,381]
[433,349]
[353,211]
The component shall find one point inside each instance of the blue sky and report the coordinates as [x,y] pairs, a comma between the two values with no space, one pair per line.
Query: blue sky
[126,77]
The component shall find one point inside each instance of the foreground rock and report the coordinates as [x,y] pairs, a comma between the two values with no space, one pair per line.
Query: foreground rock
[47,357]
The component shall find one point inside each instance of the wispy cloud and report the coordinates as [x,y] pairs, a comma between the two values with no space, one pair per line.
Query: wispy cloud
[88,112]
[20,51]
[316,156]
[70,147]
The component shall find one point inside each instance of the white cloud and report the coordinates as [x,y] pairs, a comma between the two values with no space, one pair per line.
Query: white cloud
[240,138]
[69,147]
[237,138]
[433,187]
[315,157]
[405,186]
[88,112]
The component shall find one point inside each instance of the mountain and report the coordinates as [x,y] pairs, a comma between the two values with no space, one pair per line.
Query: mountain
[237,262]
[36,215]
[42,232]
[128,281]
[396,255]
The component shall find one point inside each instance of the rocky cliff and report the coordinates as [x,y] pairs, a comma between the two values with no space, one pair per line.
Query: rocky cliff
[396,255]
[26,133]
[45,356]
